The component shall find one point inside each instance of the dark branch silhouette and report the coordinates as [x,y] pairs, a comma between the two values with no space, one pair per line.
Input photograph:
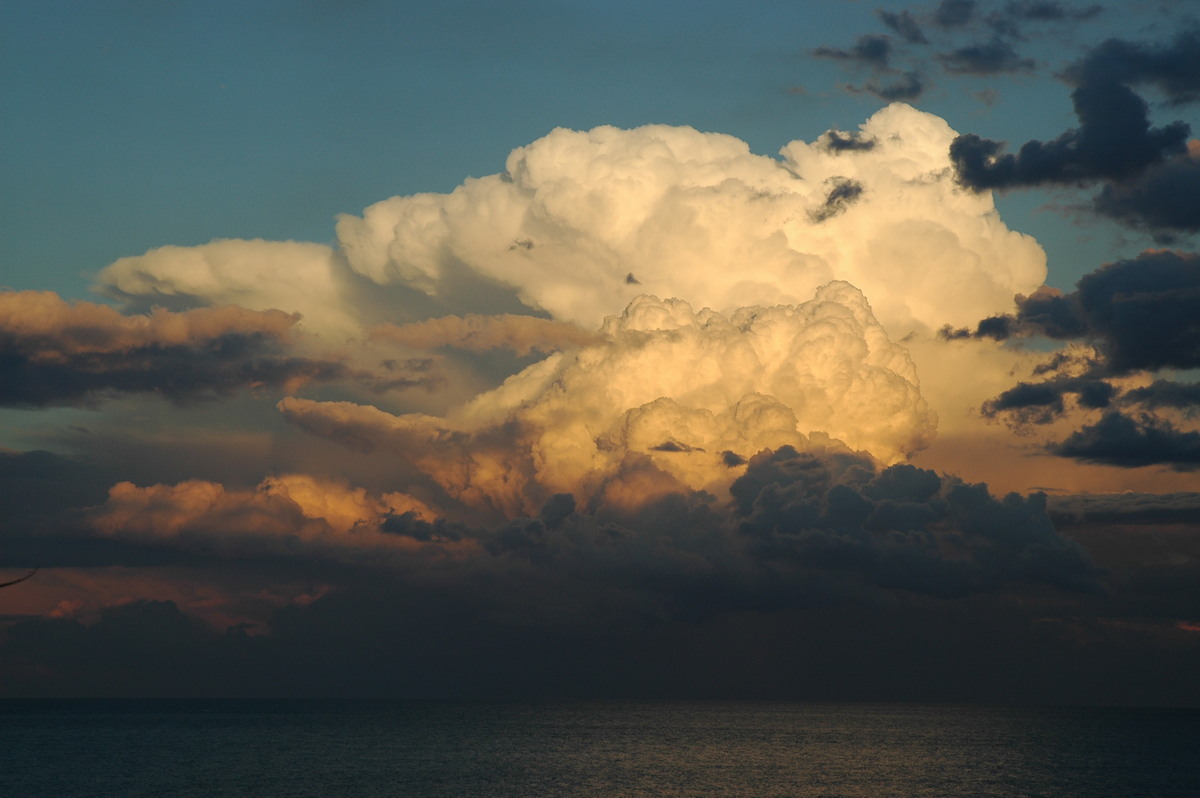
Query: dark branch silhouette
[20,579]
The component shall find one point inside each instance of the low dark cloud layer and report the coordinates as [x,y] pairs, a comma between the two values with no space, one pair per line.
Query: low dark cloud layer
[55,354]
[803,528]
[52,353]
[1125,508]
[824,567]
[528,607]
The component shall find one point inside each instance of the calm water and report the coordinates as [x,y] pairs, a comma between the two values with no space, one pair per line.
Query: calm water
[295,748]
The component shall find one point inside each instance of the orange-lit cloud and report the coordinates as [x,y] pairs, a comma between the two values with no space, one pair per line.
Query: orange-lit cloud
[694,392]
[55,329]
[281,513]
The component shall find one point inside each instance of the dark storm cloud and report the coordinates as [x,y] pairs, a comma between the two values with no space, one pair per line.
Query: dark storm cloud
[1114,140]
[902,527]
[1048,11]
[43,515]
[873,50]
[954,13]
[1183,396]
[995,327]
[1144,313]
[675,446]
[1042,402]
[842,193]
[1052,314]
[904,26]
[838,141]
[410,525]
[1173,69]
[1163,200]
[993,57]
[1149,544]
[905,88]
[732,459]
[1141,314]
[1120,440]
[52,353]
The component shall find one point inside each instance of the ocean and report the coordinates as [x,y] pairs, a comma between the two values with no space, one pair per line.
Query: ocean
[638,748]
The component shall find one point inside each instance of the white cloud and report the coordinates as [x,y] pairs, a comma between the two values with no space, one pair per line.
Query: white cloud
[685,214]
[260,275]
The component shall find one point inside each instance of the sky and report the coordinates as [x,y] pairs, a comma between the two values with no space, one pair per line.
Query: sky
[776,350]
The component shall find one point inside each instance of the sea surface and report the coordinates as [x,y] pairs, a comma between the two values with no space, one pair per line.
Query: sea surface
[431,748]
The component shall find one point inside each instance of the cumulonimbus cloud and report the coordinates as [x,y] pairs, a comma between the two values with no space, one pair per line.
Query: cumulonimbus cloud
[800,528]
[580,222]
